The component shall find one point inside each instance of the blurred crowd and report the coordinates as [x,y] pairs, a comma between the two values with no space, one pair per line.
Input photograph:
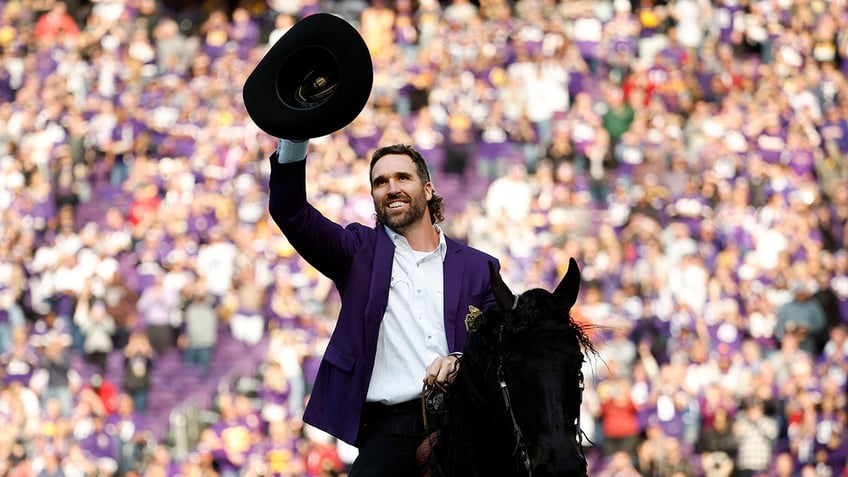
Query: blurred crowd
[690,154]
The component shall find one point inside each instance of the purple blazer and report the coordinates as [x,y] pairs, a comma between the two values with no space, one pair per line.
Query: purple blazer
[359,261]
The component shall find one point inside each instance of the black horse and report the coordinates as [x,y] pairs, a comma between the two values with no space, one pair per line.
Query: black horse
[514,407]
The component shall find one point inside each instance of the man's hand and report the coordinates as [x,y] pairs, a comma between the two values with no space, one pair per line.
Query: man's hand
[442,370]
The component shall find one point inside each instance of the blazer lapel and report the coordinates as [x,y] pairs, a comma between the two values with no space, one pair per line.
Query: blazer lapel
[453,270]
[381,280]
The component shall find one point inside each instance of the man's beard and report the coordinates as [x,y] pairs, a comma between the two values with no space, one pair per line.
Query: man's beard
[402,222]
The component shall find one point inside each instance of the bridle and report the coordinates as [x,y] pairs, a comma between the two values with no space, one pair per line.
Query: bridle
[520,451]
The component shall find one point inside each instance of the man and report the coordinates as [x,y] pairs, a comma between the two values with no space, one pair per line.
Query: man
[405,289]
[803,316]
[200,328]
[756,434]
[156,307]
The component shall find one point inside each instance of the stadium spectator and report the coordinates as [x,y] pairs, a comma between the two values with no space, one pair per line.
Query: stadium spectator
[275,393]
[281,449]
[245,302]
[103,392]
[138,364]
[200,328]
[157,307]
[673,461]
[803,317]
[56,25]
[128,426]
[618,417]
[510,196]
[621,465]
[120,301]
[717,445]
[161,462]
[100,446]
[55,378]
[21,360]
[215,262]
[234,437]
[756,434]
[97,329]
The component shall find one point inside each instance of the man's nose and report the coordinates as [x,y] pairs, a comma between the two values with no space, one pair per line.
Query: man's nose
[393,187]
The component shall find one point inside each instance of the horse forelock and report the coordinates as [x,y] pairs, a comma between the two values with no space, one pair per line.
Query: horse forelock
[539,313]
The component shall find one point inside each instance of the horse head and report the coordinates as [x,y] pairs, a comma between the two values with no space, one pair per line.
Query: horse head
[514,408]
[540,373]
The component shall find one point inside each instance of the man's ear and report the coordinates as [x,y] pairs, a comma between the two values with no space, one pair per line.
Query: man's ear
[428,190]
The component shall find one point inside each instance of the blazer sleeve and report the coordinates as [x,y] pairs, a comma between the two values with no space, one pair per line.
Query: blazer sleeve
[324,244]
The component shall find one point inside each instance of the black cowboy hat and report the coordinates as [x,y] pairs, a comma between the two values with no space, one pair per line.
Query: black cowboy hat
[314,81]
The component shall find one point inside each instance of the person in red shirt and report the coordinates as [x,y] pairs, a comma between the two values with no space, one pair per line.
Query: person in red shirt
[322,458]
[56,24]
[144,204]
[105,393]
[619,417]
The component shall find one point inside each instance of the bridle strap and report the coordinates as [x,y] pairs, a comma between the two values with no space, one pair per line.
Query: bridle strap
[581,386]
[520,446]
[520,449]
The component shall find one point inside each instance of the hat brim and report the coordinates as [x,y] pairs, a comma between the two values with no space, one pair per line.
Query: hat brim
[321,46]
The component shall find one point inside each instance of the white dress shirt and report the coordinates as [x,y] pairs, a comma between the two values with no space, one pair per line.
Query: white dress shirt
[412,333]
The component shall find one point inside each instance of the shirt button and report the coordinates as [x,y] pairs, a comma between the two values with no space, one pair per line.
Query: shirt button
[429,337]
[419,291]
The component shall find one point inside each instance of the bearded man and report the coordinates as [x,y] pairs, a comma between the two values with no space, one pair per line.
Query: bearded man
[405,290]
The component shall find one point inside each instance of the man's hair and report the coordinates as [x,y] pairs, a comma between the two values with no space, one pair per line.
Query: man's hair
[436,204]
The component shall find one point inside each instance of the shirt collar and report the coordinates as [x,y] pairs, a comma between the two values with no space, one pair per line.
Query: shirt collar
[441,248]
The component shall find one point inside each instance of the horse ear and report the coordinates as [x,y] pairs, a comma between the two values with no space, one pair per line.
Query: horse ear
[569,286]
[503,295]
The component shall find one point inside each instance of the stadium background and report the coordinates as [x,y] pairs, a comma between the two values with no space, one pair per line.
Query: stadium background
[690,154]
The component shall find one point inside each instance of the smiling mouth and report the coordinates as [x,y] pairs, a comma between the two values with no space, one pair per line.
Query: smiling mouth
[395,204]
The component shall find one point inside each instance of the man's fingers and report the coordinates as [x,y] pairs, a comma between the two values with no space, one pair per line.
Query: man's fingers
[441,371]
[433,372]
[442,377]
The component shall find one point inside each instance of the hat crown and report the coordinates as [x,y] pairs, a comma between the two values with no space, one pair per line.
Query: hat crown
[308,78]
